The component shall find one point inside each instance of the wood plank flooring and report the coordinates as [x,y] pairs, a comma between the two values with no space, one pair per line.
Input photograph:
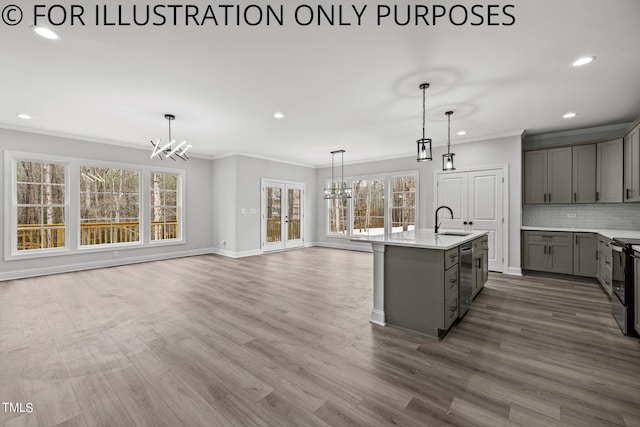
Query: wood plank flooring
[284,340]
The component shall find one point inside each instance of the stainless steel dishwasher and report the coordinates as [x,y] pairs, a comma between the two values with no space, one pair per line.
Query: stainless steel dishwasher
[465,291]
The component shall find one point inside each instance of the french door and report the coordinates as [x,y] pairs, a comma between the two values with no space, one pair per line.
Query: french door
[282,215]
[476,198]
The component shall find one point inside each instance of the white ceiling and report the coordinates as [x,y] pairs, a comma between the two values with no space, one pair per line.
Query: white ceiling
[339,87]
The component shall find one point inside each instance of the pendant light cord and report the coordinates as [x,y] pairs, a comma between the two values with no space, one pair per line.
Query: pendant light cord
[169,130]
[424,109]
[449,136]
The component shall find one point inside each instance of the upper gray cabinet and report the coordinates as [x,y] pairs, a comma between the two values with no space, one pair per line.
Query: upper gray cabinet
[584,173]
[632,165]
[609,178]
[548,176]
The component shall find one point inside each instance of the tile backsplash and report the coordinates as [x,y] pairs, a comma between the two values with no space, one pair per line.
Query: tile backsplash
[617,216]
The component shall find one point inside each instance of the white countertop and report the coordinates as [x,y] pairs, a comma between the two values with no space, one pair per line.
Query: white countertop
[423,238]
[606,232]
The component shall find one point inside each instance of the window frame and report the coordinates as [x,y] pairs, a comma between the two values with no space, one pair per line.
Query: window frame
[387,179]
[179,205]
[107,246]
[72,205]
[11,199]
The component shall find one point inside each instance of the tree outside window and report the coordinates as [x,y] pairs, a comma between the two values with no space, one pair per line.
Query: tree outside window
[41,205]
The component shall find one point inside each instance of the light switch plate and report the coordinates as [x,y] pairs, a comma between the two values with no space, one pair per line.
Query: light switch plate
[243,211]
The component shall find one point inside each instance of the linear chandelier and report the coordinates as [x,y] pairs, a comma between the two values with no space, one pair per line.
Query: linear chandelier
[168,150]
[338,190]
[424,143]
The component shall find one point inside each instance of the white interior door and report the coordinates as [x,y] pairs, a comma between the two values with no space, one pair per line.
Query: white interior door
[452,192]
[476,198]
[282,215]
[485,211]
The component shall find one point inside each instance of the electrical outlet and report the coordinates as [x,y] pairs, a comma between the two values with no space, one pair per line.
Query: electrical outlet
[243,211]
[572,215]
[115,253]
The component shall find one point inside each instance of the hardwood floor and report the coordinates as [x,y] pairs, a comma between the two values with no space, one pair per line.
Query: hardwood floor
[284,339]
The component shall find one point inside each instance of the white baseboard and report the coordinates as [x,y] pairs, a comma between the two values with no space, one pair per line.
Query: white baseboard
[515,271]
[377,317]
[232,254]
[68,268]
[347,246]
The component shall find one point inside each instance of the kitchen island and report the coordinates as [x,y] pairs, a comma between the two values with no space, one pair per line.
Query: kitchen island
[416,277]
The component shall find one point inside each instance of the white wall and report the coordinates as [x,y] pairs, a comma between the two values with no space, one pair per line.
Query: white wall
[495,152]
[198,201]
[241,178]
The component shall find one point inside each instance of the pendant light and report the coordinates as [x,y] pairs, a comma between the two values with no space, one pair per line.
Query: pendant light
[447,159]
[337,190]
[424,144]
[168,150]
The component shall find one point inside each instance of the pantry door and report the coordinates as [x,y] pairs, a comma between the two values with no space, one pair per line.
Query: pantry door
[282,215]
[477,198]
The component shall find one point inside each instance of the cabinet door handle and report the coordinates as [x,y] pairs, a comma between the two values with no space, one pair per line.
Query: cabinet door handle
[550,247]
[597,196]
[470,222]
[628,191]
[597,255]
[575,197]
[545,249]
[549,197]
[465,223]
[576,239]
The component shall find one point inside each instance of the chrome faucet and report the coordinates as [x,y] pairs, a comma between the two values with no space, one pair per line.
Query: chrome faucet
[436,220]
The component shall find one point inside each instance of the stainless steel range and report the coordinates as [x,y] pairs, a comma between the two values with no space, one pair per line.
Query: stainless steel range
[622,296]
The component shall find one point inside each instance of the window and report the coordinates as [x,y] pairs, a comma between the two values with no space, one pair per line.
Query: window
[403,210]
[41,205]
[380,204]
[338,217]
[109,206]
[165,219]
[368,206]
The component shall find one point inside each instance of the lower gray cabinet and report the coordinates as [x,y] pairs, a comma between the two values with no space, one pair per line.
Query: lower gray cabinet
[636,267]
[548,251]
[585,250]
[604,263]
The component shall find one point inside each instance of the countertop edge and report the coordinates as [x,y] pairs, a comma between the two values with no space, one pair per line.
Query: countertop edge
[458,242]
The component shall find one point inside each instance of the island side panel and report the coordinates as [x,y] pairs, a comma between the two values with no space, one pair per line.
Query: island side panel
[413,291]
[377,313]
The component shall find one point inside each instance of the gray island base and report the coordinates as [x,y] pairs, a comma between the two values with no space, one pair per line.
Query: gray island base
[423,281]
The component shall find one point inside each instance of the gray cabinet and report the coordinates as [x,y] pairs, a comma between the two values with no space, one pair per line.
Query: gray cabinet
[632,166]
[548,251]
[604,263]
[421,289]
[535,176]
[548,175]
[636,266]
[585,250]
[584,173]
[609,172]
[480,264]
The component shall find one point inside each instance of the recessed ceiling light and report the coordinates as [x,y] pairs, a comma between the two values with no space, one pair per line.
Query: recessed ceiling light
[569,116]
[45,32]
[462,132]
[583,61]
[278,116]
[23,116]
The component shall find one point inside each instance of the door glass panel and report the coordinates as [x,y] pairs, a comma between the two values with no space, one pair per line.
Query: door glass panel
[293,203]
[274,214]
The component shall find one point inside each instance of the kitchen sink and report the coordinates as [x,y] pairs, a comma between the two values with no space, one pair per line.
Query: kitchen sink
[454,233]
